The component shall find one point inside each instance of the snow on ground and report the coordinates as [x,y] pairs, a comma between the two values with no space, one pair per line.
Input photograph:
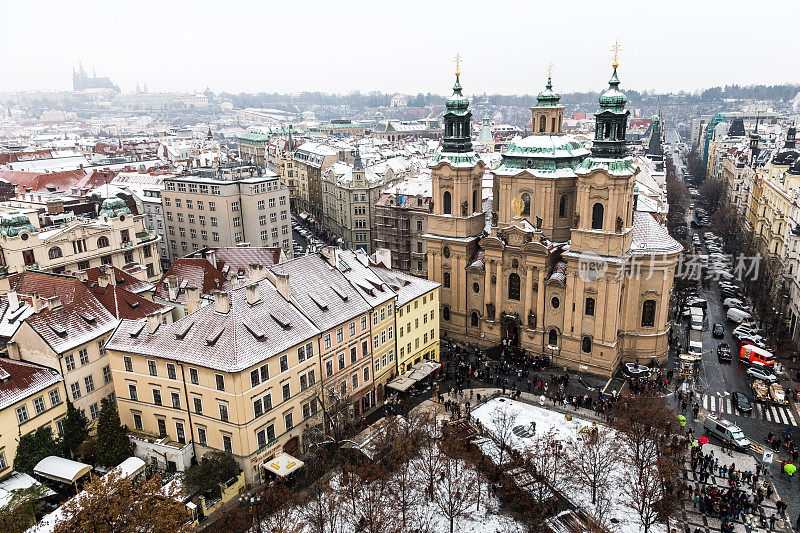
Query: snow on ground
[622,514]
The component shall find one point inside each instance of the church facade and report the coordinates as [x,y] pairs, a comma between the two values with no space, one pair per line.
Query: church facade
[561,264]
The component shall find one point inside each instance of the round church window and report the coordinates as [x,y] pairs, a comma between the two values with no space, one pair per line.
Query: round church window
[555,303]
[446,252]
[476,287]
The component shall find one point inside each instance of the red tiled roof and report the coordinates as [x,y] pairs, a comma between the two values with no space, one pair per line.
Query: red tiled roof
[126,281]
[196,273]
[126,305]
[238,259]
[45,285]
[39,181]
[19,380]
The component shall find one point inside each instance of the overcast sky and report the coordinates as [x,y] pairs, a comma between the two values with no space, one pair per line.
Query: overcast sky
[398,46]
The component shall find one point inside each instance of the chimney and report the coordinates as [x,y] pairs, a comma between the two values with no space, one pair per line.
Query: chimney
[211,257]
[54,302]
[153,321]
[38,303]
[13,350]
[172,287]
[81,275]
[283,286]
[222,302]
[235,282]
[255,272]
[13,300]
[192,299]
[253,293]
[331,254]
[384,256]
[103,279]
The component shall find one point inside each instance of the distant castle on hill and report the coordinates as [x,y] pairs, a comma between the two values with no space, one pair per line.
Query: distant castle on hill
[81,81]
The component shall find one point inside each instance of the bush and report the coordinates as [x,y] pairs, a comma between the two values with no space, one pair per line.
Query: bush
[206,476]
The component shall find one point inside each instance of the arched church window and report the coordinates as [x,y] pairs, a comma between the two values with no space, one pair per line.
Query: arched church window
[473,319]
[586,344]
[54,252]
[514,264]
[475,201]
[607,132]
[562,206]
[542,123]
[552,338]
[446,313]
[513,287]
[446,252]
[447,203]
[446,280]
[648,313]
[526,204]
[597,216]
[553,128]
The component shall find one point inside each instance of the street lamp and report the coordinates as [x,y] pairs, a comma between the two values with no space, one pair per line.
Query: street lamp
[254,503]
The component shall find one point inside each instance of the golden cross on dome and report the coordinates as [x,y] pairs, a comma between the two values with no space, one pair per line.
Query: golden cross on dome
[616,48]
[458,65]
[549,70]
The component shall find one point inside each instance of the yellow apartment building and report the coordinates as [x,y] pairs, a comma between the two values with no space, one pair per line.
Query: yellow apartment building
[30,397]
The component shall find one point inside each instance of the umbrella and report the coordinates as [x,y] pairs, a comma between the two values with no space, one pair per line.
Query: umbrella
[682,420]
[703,440]
[789,468]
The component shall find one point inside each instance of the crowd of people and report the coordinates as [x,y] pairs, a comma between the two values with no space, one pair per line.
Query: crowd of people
[739,500]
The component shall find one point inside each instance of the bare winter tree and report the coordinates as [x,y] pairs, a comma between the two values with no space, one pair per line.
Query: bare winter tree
[428,463]
[402,485]
[548,459]
[456,491]
[375,514]
[503,420]
[643,492]
[278,514]
[322,513]
[592,457]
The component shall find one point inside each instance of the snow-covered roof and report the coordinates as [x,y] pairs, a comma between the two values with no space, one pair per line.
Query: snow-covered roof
[61,469]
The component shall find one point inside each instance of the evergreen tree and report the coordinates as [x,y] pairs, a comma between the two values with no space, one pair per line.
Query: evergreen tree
[113,445]
[76,429]
[34,447]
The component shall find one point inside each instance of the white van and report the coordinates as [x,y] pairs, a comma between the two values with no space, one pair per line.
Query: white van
[696,349]
[737,315]
[732,302]
[726,431]
[697,318]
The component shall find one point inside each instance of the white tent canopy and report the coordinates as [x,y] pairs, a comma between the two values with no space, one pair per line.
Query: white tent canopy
[283,465]
[61,469]
[418,372]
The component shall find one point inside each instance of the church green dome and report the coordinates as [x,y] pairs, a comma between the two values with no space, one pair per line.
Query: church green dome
[613,98]
[457,103]
[548,98]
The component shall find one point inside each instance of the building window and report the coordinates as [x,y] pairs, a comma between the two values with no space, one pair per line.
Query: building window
[223,412]
[128,364]
[226,440]
[193,377]
[83,354]
[552,338]
[446,313]
[286,391]
[176,400]
[171,371]
[106,374]
[648,313]
[562,206]
[137,421]
[157,396]
[151,366]
[586,344]
[54,253]
[55,398]
[131,391]
[589,307]
[446,280]
[597,216]
[288,420]
[284,361]
[94,411]
[220,381]
[22,414]
[179,433]
[89,382]
[526,204]
[446,203]
[513,287]
[555,302]
[198,405]
[473,319]
[69,360]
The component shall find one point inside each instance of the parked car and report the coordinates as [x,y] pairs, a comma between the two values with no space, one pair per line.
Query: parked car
[697,302]
[718,330]
[757,372]
[732,302]
[741,402]
[737,315]
[727,432]
[724,351]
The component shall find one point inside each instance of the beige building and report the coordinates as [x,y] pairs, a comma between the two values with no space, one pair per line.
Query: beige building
[31,397]
[115,238]
[203,212]
[349,195]
[569,269]
[311,160]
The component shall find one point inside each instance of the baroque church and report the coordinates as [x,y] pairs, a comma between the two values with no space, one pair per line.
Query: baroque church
[561,264]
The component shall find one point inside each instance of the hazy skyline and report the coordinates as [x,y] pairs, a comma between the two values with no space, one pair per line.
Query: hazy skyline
[406,47]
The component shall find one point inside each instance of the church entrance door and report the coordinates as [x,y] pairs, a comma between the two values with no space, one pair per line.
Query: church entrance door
[511,331]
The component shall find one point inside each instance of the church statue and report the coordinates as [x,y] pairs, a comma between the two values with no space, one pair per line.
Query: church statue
[619,225]
[464,208]
[490,311]
[494,218]
[576,219]
[531,319]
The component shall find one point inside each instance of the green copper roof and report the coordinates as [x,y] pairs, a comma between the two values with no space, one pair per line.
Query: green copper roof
[548,98]
[464,159]
[615,167]
[457,103]
[16,224]
[613,99]
[114,207]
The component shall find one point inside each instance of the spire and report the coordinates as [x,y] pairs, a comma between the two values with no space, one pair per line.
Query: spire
[457,119]
[290,142]
[611,120]
[357,163]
